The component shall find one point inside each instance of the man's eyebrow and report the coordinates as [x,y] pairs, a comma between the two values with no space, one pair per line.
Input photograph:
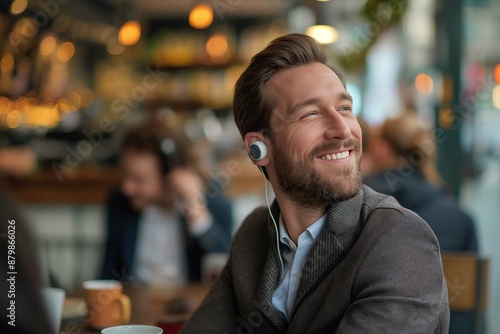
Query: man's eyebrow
[302,104]
[345,96]
[341,97]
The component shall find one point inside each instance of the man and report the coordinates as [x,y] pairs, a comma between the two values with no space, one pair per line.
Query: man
[161,223]
[353,260]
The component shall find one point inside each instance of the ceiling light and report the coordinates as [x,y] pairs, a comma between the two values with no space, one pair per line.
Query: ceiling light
[129,33]
[324,34]
[201,16]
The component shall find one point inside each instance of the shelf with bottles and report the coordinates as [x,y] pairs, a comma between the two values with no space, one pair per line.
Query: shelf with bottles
[200,68]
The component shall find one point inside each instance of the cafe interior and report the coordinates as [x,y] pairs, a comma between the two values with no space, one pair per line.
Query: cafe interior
[76,75]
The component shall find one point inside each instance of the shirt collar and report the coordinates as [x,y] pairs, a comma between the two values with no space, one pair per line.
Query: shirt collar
[312,231]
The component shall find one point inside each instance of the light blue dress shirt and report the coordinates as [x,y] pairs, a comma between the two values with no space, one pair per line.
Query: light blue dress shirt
[294,258]
[160,251]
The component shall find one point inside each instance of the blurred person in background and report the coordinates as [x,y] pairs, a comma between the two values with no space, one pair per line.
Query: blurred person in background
[401,160]
[162,221]
[402,157]
[29,312]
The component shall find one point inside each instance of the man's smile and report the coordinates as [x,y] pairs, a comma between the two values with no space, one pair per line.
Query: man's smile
[336,155]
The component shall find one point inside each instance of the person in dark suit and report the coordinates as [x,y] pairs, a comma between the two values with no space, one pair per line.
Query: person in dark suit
[166,215]
[402,154]
[329,255]
[21,299]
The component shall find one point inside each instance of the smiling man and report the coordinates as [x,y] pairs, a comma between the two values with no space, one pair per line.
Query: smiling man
[329,255]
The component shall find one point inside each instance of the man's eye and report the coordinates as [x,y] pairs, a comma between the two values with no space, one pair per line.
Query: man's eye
[345,108]
[309,114]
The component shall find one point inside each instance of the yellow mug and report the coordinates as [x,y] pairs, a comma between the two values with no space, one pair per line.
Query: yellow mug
[106,304]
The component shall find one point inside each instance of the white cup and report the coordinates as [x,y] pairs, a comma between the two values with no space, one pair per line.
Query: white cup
[53,299]
[132,329]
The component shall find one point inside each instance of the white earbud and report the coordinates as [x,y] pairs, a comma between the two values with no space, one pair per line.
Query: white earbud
[257,150]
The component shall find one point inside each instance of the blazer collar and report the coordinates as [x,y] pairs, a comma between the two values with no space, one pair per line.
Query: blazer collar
[334,241]
[271,274]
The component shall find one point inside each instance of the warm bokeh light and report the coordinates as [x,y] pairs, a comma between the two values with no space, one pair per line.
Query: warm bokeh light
[88,97]
[114,47]
[74,99]
[18,6]
[201,16]
[13,119]
[29,111]
[7,63]
[4,104]
[324,34]
[129,33]
[497,74]
[66,51]
[64,105]
[48,45]
[424,84]
[217,47]
[42,116]
[446,117]
[21,103]
[25,27]
[496,97]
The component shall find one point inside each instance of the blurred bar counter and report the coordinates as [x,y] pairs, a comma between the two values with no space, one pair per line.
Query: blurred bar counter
[92,184]
[84,185]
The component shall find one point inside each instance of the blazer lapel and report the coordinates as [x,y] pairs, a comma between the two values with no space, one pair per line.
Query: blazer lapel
[271,276]
[334,241]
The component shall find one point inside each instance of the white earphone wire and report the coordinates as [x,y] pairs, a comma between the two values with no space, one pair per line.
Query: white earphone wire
[274,221]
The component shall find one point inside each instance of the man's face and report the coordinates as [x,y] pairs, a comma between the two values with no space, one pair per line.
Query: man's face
[142,181]
[316,140]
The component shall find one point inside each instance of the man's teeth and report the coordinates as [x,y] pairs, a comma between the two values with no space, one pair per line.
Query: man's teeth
[335,156]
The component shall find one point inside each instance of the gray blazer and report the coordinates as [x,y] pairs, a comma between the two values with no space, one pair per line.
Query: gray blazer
[375,268]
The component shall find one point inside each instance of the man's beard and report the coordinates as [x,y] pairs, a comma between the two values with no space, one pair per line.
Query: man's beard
[302,183]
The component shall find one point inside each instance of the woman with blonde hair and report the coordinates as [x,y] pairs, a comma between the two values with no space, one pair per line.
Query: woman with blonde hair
[401,156]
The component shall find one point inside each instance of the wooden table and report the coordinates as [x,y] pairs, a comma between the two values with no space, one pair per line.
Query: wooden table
[148,305]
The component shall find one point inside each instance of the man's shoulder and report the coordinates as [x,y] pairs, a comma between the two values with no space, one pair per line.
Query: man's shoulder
[385,210]
[382,213]
[375,201]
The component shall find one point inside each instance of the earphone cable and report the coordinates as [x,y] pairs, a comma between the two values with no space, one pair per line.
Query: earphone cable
[274,221]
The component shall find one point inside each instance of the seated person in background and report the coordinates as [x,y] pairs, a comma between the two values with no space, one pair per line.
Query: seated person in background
[162,222]
[329,255]
[28,314]
[402,155]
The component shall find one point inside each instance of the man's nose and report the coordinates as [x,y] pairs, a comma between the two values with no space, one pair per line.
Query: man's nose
[336,126]
[127,187]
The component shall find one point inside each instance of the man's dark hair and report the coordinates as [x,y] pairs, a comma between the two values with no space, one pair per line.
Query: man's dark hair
[251,107]
[172,148]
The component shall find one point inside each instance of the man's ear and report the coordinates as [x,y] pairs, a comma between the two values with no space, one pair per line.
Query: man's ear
[252,137]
